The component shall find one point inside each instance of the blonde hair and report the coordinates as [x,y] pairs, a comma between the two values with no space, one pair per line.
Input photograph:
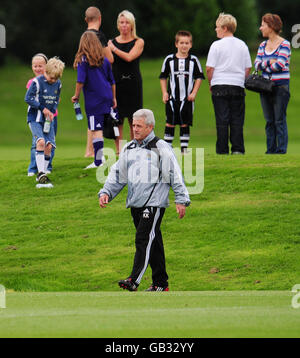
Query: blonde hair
[55,67]
[227,20]
[40,55]
[89,47]
[129,17]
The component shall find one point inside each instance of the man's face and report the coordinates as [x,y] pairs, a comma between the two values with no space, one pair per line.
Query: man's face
[140,129]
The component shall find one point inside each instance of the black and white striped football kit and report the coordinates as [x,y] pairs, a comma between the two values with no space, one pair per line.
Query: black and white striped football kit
[182,73]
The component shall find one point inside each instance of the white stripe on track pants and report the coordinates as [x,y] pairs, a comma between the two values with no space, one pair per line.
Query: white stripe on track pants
[149,245]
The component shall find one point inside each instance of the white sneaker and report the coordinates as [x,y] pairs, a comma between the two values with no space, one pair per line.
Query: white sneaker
[48,172]
[48,185]
[93,165]
[30,174]
[43,181]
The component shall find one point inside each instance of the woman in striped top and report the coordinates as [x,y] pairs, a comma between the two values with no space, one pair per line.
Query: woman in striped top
[273,59]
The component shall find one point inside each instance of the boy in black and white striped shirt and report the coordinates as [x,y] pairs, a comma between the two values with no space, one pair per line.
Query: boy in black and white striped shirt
[180,79]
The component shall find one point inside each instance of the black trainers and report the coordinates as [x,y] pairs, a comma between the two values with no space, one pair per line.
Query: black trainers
[43,181]
[184,151]
[157,288]
[128,284]
[40,177]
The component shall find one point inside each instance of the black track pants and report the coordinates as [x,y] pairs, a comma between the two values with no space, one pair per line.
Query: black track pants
[149,245]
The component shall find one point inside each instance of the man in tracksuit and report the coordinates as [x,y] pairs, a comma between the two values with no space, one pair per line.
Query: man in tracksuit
[149,167]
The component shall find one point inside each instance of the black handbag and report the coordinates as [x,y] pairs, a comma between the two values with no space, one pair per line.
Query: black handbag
[257,83]
[110,127]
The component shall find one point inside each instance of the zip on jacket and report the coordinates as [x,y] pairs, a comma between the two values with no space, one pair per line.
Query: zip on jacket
[149,169]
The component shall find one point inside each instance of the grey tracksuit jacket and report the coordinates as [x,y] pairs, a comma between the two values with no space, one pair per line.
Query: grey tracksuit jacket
[149,169]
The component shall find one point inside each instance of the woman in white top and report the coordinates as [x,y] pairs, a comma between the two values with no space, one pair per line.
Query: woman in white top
[227,66]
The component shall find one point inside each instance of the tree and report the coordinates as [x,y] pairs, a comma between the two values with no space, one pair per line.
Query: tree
[245,12]
[55,27]
[288,10]
[165,18]
[52,27]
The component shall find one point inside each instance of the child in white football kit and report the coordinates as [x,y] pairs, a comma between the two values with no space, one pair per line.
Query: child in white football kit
[43,98]
[185,75]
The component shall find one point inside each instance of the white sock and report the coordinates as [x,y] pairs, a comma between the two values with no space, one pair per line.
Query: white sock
[40,161]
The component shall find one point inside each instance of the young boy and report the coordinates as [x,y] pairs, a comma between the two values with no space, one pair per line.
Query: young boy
[185,75]
[43,98]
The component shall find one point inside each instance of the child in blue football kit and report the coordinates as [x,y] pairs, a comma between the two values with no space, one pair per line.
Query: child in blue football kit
[38,65]
[43,98]
[95,78]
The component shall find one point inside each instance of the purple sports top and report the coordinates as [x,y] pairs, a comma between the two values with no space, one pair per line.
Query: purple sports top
[97,87]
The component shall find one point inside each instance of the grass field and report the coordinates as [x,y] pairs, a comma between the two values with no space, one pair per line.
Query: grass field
[242,232]
[239,314]
[239,244]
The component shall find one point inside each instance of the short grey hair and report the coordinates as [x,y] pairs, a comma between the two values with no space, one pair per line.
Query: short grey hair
[147,114]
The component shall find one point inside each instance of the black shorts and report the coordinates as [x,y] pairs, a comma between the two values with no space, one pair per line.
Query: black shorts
[180,112]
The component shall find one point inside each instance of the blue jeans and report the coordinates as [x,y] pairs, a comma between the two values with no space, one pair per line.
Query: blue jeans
[274,107]
[32,168]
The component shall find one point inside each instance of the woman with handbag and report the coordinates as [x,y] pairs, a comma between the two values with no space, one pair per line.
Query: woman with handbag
[273,59]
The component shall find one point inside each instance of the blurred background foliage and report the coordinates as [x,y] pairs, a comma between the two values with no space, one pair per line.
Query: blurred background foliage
[55,27]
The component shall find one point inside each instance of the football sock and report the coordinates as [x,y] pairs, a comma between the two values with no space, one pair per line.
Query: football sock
[47,160]
[184,138]
[98,150]
[169,135]
[40,161]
